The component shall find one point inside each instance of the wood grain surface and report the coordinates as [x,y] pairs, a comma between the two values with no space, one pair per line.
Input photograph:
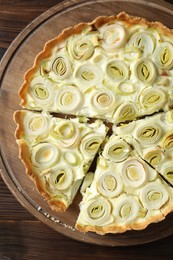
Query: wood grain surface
[21,235]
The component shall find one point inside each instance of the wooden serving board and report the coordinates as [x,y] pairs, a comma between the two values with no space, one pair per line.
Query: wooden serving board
[18,59]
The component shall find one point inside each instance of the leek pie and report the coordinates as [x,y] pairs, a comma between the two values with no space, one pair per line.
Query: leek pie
[102,90]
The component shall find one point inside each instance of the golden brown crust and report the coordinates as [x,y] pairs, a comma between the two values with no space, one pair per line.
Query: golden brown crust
[121,229]
[168,207]
[57,205]
[134,20]
[18,119]
[101,230]
[98,22]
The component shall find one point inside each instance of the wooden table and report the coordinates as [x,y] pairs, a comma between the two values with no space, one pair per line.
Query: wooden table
[21,235]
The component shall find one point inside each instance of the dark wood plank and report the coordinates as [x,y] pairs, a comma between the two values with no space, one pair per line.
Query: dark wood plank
[16,15]
[2,51]
[10,208]
[36,241]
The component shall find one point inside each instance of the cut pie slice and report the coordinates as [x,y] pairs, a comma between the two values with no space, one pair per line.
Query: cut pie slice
[152,138]
[57,153]
[117,68]
[126,193]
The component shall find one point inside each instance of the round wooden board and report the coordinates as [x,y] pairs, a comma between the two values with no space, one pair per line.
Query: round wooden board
[18,59]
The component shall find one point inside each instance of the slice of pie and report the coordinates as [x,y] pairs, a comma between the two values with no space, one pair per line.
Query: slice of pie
[126,193]
[152,138]
[118,71]
[117,68]
[57,153]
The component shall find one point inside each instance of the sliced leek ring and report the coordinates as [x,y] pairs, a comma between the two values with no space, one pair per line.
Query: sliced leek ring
[61,66]
[97,211]
[81,47]
[168,117]
[126,112]
[131,54]
[37,124]
[64,130]
[167,142]
[45,155]
[41,90]
[116,70]
[154,157]
[126,209]
[166,169]
[113,37]
[66,134]
[153,195]
[164,55]
[110,184]
[144,41]
[152,100]
[41,94]
[148,133]
[90,144]
[116,149]
[72,158]
[62,178]
[125,89]
[145,71]
[103,101]
[69,99]
[89,75]
[99,58]
[133,173]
